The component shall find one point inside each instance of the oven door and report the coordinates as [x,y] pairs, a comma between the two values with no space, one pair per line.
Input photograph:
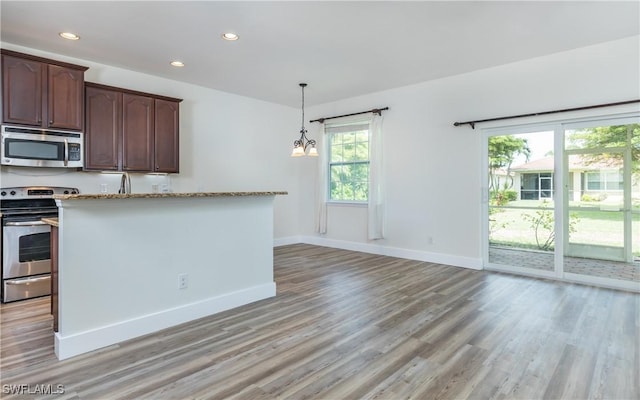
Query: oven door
[26,248]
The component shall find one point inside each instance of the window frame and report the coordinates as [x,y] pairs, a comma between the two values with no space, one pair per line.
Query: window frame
[330,164]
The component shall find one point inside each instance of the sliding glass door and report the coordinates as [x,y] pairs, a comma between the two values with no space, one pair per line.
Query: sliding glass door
[564,201]
[601,201]
[521,195]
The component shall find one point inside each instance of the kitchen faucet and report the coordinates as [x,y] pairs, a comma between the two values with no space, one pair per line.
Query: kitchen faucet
[125,183]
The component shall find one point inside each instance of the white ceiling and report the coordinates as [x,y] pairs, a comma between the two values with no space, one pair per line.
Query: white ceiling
[341,49]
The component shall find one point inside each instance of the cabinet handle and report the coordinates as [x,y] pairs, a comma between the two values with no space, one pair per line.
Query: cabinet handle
[51,122]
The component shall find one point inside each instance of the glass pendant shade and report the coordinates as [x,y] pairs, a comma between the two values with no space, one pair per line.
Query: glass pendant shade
[297,152]
[313,152]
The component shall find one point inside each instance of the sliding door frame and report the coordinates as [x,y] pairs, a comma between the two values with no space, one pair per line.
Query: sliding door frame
[560,182]
[514,130]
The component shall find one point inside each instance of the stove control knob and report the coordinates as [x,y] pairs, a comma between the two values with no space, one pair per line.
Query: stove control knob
[66,192]
[3,193]
[13,193]
[74,191]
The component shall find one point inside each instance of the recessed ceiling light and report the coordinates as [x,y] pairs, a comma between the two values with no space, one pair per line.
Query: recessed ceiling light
[69,35]
[177,63]
[229,36]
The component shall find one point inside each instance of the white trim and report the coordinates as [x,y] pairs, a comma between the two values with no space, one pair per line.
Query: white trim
[530,272]
[602,282]
[560,201]
[79,343]
[419,255]
[484,198]
[344,203]
[287,240]
[626,119]
[570,118]
[568,277]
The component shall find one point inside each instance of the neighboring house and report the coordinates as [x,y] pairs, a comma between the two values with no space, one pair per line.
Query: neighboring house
[535,179]
[600,180]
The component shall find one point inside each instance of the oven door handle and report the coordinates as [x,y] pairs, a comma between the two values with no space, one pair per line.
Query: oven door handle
[66,152]
[27,281]
[25,223]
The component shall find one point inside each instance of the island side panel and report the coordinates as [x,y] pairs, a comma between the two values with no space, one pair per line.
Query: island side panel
[120,261]
[54,276]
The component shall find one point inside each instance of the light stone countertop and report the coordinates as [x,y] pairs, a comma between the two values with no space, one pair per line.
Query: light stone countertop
[50,221]
[162,195]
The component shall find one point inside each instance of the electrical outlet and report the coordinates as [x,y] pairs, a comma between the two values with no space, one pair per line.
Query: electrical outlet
[429,239]
[183,281]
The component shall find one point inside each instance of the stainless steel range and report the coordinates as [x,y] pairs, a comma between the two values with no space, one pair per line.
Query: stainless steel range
[26,240]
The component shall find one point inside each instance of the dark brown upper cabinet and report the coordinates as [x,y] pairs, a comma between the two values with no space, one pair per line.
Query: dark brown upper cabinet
[42,93]
[137,132]
[103,129]
[167,138]
[131,131]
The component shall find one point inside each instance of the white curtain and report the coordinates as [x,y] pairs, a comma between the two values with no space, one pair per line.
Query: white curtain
[375,209]
[323,183]
[375,217]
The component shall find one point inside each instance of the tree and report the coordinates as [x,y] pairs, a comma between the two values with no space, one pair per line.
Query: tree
[503,150]
[608,136]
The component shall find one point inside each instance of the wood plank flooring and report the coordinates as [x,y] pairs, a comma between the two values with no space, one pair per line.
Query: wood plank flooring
[348,325]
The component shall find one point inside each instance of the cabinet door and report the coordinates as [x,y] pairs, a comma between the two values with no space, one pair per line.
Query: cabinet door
[22,91]
[167,138]
[65,98]
[103,129]
[137,133]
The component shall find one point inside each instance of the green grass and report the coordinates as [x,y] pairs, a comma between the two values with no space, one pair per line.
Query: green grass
[509,227]
[597,216]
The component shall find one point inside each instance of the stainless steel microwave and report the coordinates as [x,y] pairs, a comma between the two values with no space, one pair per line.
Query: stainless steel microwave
[31,147]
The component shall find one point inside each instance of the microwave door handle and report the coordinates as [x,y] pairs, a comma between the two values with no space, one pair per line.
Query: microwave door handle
[66,152]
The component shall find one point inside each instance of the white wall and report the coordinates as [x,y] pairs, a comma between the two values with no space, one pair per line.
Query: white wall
[227,143]
[432,169]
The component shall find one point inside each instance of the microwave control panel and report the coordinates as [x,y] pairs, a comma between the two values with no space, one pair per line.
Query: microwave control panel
[74,152]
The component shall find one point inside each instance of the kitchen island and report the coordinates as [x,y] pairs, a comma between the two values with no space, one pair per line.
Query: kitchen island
[133,264]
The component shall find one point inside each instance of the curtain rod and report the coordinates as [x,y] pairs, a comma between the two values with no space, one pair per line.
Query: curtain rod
[473,123]
[375,111]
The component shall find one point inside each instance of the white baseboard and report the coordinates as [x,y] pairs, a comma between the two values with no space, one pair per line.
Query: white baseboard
[79,343]
[284,241]
[371,248]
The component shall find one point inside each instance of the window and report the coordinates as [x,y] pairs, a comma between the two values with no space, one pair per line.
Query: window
[593,181]
[604,180]
[536,186]
[348,162]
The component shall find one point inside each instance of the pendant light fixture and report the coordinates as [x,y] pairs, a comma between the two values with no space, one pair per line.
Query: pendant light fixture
[301,145]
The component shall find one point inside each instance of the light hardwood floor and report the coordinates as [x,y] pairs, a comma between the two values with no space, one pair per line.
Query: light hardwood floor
[348,325]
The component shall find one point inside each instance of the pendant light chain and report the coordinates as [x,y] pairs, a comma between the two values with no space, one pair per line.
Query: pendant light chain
[304,146]
[302,129]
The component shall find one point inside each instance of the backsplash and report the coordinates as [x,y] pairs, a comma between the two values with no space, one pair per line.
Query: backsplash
[87,182]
